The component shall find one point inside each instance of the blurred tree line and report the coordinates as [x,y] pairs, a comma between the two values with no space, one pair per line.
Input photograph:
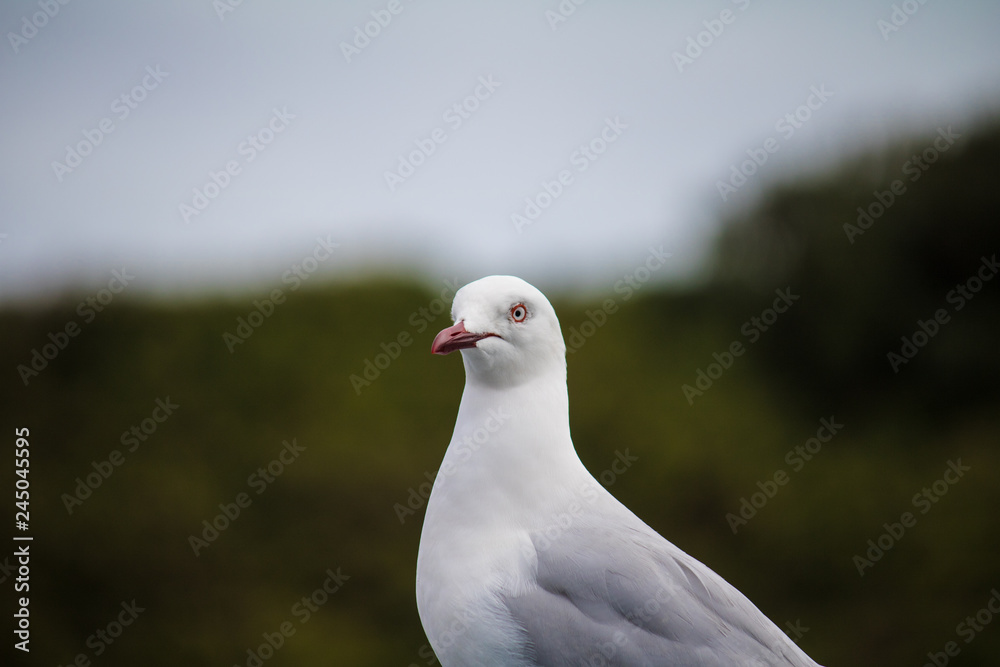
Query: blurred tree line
[879,246]
[242,551]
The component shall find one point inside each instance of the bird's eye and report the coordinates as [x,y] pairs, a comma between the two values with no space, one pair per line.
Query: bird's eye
[518,313]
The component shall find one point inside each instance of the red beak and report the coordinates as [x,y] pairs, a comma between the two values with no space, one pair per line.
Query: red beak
[456,338]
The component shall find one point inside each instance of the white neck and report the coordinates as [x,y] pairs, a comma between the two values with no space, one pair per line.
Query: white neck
[510,471]
[512,446]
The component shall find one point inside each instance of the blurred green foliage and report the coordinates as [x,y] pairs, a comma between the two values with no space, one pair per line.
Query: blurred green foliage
[369,452]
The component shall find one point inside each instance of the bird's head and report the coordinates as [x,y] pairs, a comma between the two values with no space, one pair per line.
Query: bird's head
[507,331]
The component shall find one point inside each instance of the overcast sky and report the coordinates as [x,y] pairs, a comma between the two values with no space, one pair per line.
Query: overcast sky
[116,115]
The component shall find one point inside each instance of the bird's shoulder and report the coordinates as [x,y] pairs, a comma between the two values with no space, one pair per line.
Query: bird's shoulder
[608,587]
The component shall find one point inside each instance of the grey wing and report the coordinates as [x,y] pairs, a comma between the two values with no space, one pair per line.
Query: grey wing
[613,594]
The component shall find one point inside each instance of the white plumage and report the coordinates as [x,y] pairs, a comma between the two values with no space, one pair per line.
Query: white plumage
[525,559]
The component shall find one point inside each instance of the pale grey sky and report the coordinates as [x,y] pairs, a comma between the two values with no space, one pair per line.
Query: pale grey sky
[630,138]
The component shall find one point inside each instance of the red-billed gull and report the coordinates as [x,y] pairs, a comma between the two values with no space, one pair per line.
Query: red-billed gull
[525,559]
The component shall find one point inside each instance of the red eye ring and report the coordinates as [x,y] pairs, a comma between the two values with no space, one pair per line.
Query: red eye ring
[519,312]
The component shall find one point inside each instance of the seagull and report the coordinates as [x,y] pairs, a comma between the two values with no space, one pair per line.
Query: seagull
[525,560]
